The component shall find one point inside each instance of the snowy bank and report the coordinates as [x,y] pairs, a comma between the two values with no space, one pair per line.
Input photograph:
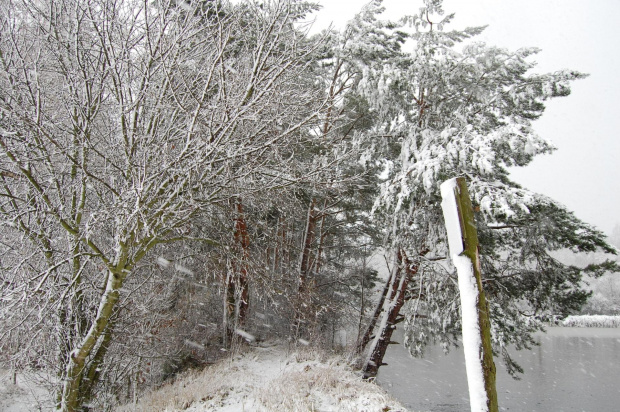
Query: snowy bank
[592,321]
[27,394]
[270,379]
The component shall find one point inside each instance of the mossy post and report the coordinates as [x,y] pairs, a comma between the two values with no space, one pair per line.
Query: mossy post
[463,242]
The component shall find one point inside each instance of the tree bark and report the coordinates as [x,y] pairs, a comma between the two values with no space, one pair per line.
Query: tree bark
[321,238]
[237,294]
[361,345]
[73,385]
[243,239]
[394,299]
[306,255]
[305,265]
[94,369]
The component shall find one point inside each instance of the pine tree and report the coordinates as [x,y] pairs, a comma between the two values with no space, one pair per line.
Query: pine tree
[452,107]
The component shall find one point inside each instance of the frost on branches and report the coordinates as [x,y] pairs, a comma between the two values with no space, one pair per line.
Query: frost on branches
[122,124]
[448,106]
[264,167]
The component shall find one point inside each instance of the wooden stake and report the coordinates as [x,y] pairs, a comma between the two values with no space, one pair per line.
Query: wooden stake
[469,249]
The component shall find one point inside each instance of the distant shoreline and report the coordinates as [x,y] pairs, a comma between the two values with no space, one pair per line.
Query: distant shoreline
[590,321]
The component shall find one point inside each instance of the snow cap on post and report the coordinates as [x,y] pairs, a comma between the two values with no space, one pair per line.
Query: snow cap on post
[476,326]
[454,226]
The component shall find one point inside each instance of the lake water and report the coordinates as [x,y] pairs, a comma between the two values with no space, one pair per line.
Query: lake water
[574,369]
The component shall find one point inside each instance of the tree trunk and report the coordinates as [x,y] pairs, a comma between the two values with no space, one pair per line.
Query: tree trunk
[463,242]
[303,298]
[243,239]
[73,384]
[402,273]
[237,293]
[321,238]
[94,369]
[361,345]
[306,255]
[274,262]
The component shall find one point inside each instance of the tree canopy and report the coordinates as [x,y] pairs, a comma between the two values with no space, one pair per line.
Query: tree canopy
[180,176]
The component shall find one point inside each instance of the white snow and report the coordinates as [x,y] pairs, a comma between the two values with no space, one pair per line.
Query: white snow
[451,216]
[271,379]
[163,262]
[472,342]
[245,335]
[27,395]
[592,321]
[183,269]
[193,344]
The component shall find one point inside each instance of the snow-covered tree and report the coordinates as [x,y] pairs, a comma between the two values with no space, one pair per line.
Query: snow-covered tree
[175,171]
[453,107]
[122,123]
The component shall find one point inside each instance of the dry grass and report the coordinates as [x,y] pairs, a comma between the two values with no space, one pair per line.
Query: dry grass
[213,384]
[329,387]
[266,379]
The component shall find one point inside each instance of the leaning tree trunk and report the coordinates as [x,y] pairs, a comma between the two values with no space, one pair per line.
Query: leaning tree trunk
[463,243]
[93,373]
[402,273]
[361,345]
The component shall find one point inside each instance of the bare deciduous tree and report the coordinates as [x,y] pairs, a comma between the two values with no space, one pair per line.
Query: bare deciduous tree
[120,123]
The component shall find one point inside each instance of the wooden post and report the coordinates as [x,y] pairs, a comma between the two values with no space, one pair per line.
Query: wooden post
[463,243]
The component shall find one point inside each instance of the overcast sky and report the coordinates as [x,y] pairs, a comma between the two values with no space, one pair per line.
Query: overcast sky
[575,34]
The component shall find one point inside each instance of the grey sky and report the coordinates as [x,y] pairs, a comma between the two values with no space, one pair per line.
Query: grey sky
[575,34]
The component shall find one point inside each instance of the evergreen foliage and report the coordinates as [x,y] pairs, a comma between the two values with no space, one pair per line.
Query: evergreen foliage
[449,106]
[177,175]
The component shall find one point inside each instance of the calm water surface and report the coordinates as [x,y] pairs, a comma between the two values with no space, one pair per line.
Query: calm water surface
[574,369]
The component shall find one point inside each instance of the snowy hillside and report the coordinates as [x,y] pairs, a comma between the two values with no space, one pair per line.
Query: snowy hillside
[270,379]
[27,393]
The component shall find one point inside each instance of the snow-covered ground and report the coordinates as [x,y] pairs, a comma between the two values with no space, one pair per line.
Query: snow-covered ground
[269,378]
[263,378]
[592,321]
[26,395]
